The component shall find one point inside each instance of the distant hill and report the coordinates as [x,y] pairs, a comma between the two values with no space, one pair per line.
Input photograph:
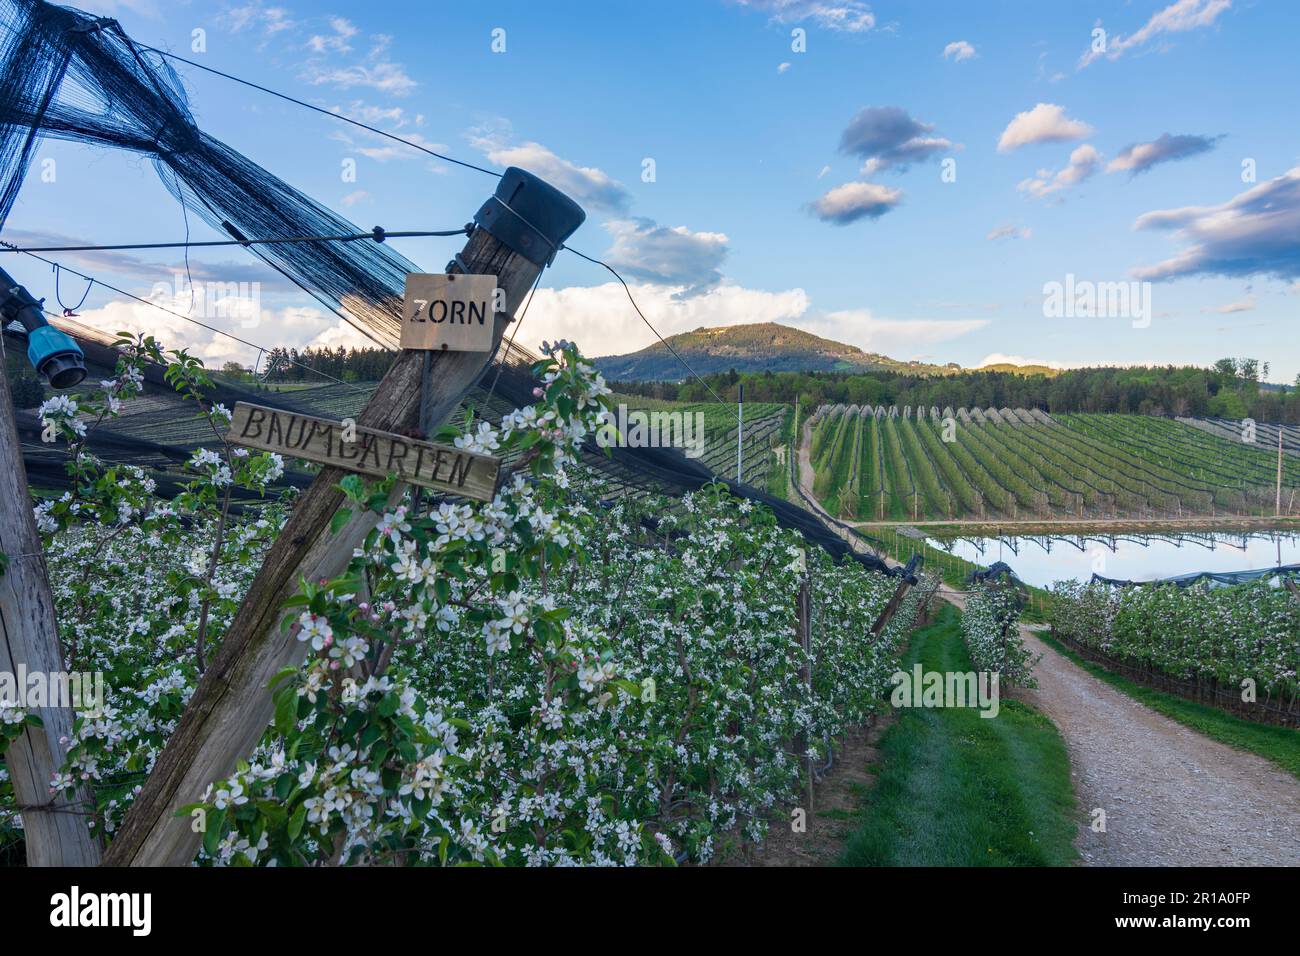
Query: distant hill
[753,348]
[1019,369]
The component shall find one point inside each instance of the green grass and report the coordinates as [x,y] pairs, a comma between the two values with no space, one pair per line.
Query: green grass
[956,789]
[1281,745]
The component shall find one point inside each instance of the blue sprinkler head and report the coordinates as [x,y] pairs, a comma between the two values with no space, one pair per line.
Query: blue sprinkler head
[55,355]
[52,352]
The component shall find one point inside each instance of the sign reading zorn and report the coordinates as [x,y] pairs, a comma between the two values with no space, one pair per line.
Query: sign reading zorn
[379,454]
[452,312]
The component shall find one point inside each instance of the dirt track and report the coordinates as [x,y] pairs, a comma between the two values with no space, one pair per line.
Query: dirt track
[1171,796]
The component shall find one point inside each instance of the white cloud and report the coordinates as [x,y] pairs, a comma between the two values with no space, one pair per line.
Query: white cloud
[268,21]
[850,202]
[293,327]
[393,117]
[1178,17]
[116,264]
[1084,162]
[958,50]
[384,148]
[386,77]
[354,197]
[678,257]
[849,16]
[335,42]
[1241,305]
[602,322]
[1001,358]
[587,185]
[782,67]
[1140,157]
[1009,232]
[1045,123]
[898,338]
[1257,232]
[887,137]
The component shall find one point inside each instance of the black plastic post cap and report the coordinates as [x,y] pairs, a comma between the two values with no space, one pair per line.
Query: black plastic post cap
[530,216]
[65,370]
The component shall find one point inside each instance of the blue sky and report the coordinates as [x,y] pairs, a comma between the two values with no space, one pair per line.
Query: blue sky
[801,186]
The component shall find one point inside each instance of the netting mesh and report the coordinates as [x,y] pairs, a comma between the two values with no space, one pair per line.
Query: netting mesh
[71,76]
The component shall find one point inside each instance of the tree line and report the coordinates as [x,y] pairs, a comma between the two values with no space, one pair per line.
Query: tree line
[1231,388]
[347,364]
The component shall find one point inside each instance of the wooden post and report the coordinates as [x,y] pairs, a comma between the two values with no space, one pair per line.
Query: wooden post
[1277,510]
[804,624]
[55,831]
[740,432]
[231,707]
[891,608]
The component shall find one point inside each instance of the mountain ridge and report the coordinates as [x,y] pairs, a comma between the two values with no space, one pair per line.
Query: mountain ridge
[750,347]
[758,347]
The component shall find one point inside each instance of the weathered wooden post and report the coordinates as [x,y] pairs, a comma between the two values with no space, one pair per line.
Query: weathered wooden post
[905,582]
[54,830]
[1277,508]
[803,624]
[519,230]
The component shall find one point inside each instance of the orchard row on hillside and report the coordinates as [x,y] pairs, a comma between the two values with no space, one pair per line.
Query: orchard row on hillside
[937,464]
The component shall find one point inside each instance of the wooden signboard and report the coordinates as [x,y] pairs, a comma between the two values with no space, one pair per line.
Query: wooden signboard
[375,453]
[449,312]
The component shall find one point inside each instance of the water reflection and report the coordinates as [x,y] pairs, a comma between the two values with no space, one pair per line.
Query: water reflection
[1042,559]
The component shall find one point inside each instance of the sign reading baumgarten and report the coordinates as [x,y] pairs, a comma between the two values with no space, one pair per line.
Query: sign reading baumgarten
[369,452]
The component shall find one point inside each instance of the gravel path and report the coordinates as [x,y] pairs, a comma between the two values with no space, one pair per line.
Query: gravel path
[1171,796]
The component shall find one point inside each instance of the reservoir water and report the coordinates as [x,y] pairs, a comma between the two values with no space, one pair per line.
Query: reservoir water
[1042,559]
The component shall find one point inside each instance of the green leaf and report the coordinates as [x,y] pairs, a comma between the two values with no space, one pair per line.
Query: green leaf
[296,821]
[442,590]
[212,835]
[354,486]
[341,517]
[280,675]
[286,710]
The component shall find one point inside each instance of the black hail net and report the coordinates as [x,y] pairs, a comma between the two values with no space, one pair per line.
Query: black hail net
[74,77]
[71,76]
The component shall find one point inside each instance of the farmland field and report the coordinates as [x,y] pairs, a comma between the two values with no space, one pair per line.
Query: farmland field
[890,464]
[763,432]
